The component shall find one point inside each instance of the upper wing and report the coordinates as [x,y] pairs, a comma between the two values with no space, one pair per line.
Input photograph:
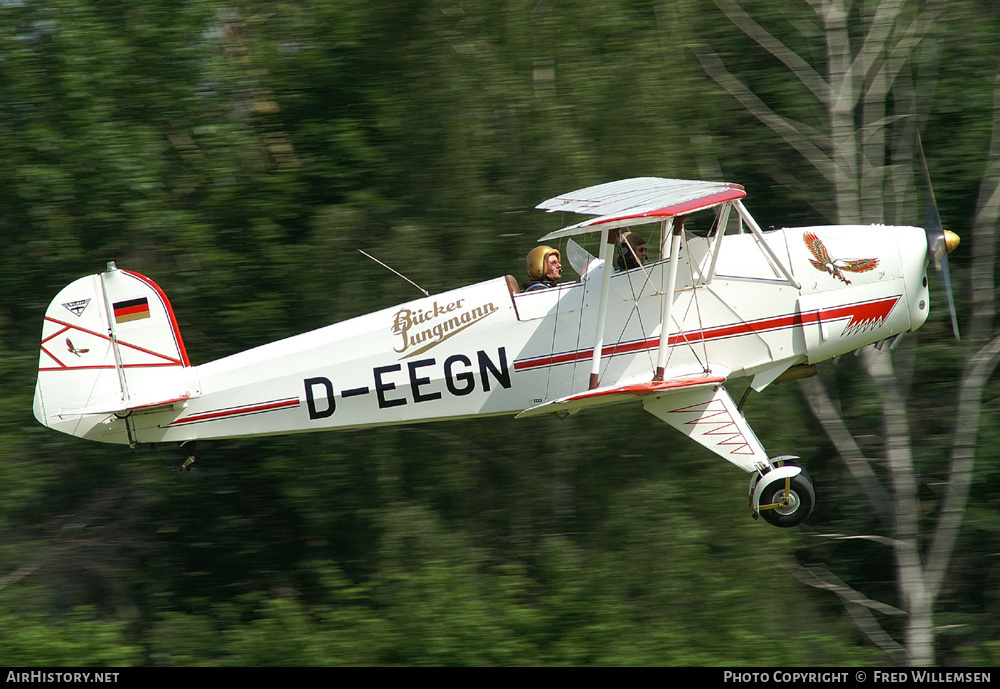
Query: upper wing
[636,201]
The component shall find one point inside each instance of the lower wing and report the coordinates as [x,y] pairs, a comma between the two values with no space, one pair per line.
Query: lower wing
[698,406]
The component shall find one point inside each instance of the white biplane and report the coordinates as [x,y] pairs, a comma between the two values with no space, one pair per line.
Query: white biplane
[730,301]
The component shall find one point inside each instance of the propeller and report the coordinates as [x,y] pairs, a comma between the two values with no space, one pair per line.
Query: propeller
[940,242]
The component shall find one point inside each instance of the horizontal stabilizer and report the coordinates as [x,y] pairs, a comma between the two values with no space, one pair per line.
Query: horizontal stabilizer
[123,407]
[614,394]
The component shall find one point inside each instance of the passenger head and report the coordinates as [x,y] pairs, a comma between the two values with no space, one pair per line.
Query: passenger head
[631,250]
[544,263]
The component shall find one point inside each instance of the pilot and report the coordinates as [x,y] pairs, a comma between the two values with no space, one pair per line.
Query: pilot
[544,268]
[631,251]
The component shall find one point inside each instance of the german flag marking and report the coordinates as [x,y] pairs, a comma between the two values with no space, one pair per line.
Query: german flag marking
[131,310]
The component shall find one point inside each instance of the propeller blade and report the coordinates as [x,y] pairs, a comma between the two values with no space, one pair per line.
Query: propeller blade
[939,241]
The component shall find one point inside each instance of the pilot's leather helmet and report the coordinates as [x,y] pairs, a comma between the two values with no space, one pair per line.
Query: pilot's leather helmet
[537,259]
[628,249]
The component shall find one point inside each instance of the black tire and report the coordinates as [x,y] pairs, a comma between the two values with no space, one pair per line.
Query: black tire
[802,500]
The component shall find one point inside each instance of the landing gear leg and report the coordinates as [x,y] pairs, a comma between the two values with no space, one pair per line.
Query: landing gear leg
[184,465]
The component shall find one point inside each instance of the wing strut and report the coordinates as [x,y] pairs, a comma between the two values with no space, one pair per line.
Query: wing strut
[602,310]
[755,230]
[674,229]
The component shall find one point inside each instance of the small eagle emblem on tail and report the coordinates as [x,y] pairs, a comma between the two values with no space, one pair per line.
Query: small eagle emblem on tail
[74,350]
[835,266]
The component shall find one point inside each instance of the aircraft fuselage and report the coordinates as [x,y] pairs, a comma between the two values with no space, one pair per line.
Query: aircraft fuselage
[488,350]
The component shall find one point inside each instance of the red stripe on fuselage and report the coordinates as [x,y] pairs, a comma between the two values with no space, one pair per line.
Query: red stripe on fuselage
[861,313]
[237,411]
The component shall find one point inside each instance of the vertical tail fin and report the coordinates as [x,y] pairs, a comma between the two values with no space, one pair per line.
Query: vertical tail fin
[110,344]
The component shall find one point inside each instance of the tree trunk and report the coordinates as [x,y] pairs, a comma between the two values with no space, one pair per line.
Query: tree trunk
[868,99]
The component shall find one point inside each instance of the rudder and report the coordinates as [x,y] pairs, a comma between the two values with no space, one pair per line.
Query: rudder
[110,344]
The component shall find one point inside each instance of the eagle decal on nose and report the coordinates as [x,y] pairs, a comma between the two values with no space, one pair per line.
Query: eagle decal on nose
[835,266]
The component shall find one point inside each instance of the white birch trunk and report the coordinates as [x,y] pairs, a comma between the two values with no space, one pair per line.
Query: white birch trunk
[868,67]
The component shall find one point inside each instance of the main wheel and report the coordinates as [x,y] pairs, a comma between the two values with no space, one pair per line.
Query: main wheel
[801,499]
